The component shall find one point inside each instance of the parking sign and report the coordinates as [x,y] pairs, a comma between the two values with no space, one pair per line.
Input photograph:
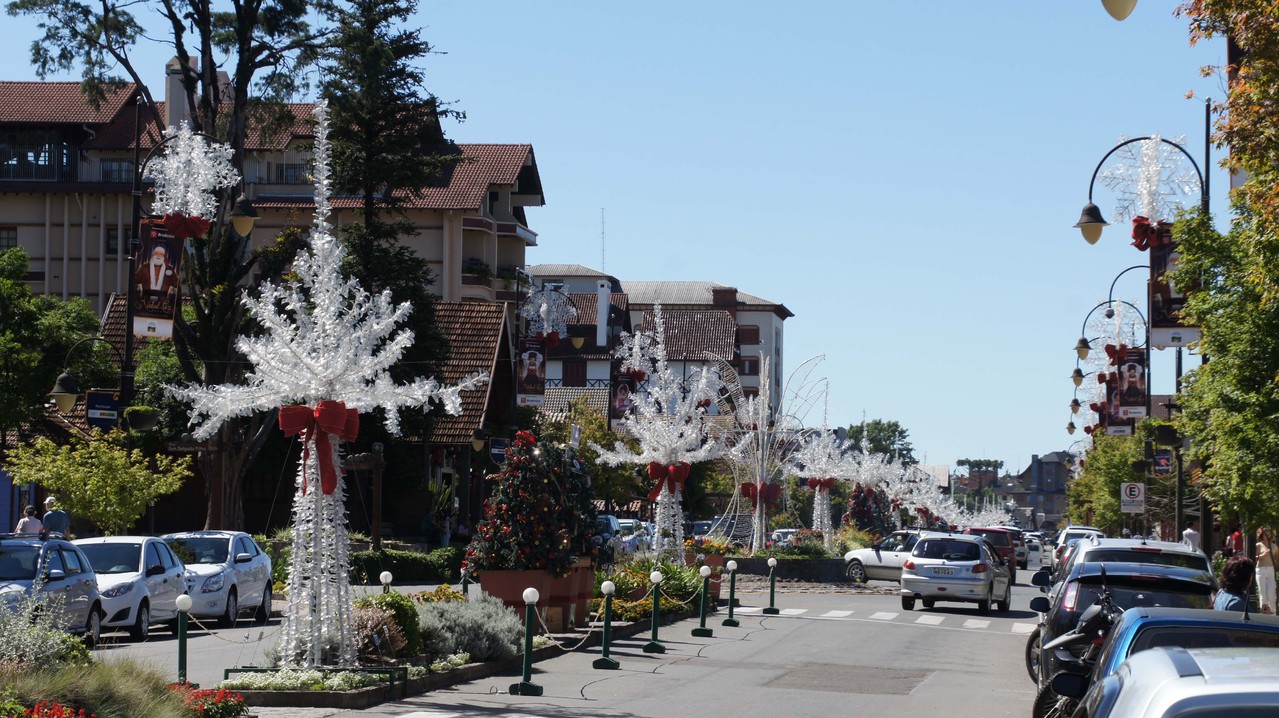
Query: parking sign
[1132,497]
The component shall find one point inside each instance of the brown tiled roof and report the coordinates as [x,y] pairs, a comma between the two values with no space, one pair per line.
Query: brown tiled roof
[474,331]
[691,333]
[586,303]
[57,103]
[463,186]
[559,399]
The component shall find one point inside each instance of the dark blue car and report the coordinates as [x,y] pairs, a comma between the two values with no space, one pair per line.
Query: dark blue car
[1145,627]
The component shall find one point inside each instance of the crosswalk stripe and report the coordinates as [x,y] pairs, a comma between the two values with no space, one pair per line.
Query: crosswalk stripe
[430,714]
[976,623]
[837,614]
[930,620]
[1024,627]
[748,609]
[794,611]
[883,616]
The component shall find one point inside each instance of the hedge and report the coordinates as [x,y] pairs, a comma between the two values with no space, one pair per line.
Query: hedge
[443,565]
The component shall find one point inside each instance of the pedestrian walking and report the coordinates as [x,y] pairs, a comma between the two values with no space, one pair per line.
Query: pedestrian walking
[1236,579]
[55,519]
[1191,534]
[1265,571]
[29,523]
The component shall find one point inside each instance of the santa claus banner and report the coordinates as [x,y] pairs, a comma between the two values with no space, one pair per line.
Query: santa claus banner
[530,375]
[155,282]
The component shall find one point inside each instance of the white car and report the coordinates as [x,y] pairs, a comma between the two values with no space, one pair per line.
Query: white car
[139,580]
[227,573]
[882,561]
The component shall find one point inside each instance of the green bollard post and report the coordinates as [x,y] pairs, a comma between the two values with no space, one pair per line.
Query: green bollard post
[731,622]
[702,631]
[772,609]
[608,588]
[653,646]
[183,605]
[466,586]
[527,687]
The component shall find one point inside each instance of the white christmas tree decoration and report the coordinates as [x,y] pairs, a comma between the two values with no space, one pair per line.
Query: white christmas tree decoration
[189,173]
[822,461]
[322,357]
[669,422]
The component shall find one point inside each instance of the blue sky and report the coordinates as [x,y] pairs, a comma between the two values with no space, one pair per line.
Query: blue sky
[903,176]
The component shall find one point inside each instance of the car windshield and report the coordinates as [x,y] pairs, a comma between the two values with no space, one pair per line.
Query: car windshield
[997,538]
[113,557]
[1159,558]
[1156,592]
[947,550]
[18,563]
[199,549]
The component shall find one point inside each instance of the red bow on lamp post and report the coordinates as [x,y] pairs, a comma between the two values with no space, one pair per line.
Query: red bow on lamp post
[1116,353]
[328,417]
[671,477]
[768,492]
[182,226]
[1147,235]
[822,484]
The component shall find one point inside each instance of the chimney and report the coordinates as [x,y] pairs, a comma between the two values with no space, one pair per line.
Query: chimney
[725,298]
[603,302]
[175,99]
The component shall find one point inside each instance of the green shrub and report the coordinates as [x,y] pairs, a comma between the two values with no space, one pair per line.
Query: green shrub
[849,538]
[31,636]
[404,611]
[443,593]
[115,689]
[443,565]
[302,680]
[484,628]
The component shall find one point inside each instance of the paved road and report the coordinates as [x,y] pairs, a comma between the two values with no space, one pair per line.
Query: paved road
[826,654]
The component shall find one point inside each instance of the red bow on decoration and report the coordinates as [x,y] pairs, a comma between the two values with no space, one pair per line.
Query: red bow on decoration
[552,339]
[182,226]
[672,477]
[1115,353]
[329,417]
[1147,235]
[826,484]
[768,492]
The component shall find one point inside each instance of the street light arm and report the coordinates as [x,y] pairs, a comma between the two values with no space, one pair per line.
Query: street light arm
[1110,297]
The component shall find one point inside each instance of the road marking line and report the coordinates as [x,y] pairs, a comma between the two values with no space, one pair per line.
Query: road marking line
[748,609]
[930,620]
[794,611]
[1025,627]
[837,614]
[430,714]
[976,623]
[883,616]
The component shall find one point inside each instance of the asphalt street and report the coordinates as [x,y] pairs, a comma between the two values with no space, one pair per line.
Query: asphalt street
[855,653]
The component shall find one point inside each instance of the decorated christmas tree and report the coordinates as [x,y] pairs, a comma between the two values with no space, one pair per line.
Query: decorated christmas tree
[868,509]
[540,515]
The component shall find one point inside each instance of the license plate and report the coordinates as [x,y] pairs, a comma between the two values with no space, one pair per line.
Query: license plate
[944,571]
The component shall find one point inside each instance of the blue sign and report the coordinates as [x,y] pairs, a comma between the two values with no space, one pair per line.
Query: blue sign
[497,449]
[102,407]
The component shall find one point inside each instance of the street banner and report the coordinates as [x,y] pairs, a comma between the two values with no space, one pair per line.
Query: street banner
[621,395]
[1132,497]
[530,388]
[1163,462]
[155,281]
[1131,372]
[102,408]
[1166,298]
[497,449]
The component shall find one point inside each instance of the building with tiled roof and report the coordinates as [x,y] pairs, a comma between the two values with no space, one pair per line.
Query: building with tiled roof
[66,174]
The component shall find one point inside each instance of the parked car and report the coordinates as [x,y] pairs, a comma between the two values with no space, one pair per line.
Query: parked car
[227,573]
[1019,545]
[1002,540]
[782,538]
[63,570]
[1071,533]
[1103,550]
[701,528]
[882,561]
[1034,552]
[635,536]
[955,567]
[1142,628]
[1188,683]
[1130,585]
[139,579]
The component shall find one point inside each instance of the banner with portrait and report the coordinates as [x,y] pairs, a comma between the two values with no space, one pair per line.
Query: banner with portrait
[1166,298]
[1132,386]
[156,281]
[621,399]
[530,372]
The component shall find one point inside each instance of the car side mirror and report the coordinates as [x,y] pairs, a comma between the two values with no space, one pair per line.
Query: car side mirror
[243,558]
[1039,604]
[155,571]
[1070,685]
[1042,578]
[56,574]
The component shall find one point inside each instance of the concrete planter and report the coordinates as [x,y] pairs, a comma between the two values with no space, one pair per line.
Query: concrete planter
[813,570]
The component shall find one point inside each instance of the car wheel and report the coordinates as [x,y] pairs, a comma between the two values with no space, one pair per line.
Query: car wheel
[929,603]
[1003,605]
[1050,705]
[141,628]
[227,619]
[264,609]
[908,603]
[983,606]
[856,572]
[93,627]
[1032,655]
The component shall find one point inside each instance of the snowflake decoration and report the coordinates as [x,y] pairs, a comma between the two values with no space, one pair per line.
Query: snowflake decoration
[189,173]
[1150,180]
[548,312]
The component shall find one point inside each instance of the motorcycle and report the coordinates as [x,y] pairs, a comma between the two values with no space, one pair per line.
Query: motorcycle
[1060,696]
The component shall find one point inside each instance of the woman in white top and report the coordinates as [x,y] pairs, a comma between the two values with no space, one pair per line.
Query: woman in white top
[1265,571]
[29,524]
